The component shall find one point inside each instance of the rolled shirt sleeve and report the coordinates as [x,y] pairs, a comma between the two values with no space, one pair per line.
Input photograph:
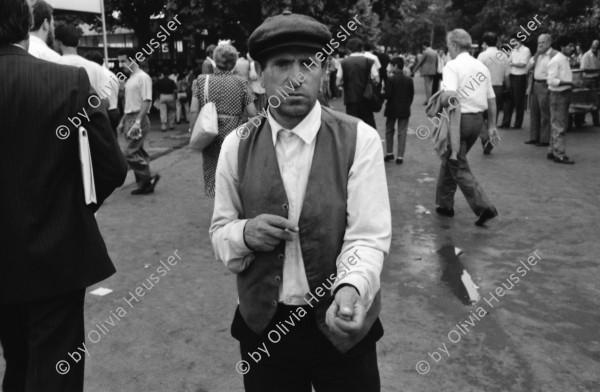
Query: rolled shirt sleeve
[369,228]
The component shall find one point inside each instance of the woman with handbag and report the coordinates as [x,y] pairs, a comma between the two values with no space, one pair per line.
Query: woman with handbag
[234,101]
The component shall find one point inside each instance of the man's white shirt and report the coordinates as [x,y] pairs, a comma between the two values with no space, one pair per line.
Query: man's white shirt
[39,49]
[472,80]
[95,72]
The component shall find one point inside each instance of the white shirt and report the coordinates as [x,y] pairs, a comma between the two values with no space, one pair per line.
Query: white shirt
[39,49]
[373,57]
[520,55]
[559,70]
[368,228]
[497,63]
[138,89]
[541,66]
[471,79]
[95,72]
[111,90]
[590,61]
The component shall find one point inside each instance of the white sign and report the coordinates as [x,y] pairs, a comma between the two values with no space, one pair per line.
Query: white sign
[77,5]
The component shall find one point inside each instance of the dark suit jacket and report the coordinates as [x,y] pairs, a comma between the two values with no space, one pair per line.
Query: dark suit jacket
[356,72]
[51,244]
[399,93]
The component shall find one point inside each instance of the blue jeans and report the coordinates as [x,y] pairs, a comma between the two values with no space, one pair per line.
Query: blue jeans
[457,173]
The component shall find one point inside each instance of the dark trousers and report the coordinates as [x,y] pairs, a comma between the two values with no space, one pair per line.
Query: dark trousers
[518,87]
[303,357]
[540,113]
[437,78]
[390,131]
[361,110]
[35,337]
[137,158]
[457,173]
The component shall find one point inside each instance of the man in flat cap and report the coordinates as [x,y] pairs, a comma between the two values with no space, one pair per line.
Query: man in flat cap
[302,217]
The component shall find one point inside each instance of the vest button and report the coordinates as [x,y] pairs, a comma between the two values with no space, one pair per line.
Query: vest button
[285,206]
[281,257]
[278,279]
[274,303]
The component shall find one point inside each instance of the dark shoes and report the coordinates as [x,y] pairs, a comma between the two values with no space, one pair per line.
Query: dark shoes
[532,142]
[550,156]
[399,161]
[487,148]
[388,157]
[449,212]
[565,160]
[147,189]
[542,144]
[486,216]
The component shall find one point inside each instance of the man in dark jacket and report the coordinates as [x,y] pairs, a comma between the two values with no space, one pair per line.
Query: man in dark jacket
[399,93]
[52,248]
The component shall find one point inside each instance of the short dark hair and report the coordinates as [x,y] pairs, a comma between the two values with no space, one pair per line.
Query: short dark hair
[564,40]
[15,21]
[210,49]
[397,61]
[425,44]
[490,38]
[127,52]
[41,12]
[367,46]
[95,56]
[67,34]
[355,45]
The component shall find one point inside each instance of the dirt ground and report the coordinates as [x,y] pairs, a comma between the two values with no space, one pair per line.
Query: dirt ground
[542,334]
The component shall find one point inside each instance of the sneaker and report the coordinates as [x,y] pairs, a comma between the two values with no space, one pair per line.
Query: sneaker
[449,212]
[564,160]
[399,161]
[388,157]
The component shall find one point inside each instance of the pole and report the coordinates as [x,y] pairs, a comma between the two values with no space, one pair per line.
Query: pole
[104,33]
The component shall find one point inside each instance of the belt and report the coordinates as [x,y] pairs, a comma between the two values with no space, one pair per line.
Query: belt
[540,81]
[132,113]
[472,114]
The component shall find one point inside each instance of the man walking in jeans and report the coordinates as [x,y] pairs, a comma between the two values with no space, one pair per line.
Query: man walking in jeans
[455,171]
[560,83]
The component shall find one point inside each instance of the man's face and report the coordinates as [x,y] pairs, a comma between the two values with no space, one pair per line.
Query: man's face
[124,64]
[452,49]
[569,49]
[284,69]
[543,43]
[595,46]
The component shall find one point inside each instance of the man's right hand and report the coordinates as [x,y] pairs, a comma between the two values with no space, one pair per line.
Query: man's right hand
[266,231]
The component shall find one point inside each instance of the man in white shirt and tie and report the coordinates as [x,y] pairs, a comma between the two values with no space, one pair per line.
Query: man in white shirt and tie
[540,95]
[302,217]
[560,84]
[42,32]
[518,60]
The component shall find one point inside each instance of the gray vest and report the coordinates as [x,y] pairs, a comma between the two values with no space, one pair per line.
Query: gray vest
[322,221]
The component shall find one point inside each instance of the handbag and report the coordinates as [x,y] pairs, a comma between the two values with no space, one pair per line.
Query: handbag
[372,94]
[206,127]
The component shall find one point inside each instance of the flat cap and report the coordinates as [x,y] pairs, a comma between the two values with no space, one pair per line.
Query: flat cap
[287,30]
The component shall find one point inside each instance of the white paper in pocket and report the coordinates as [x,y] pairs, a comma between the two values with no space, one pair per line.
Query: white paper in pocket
[87,171]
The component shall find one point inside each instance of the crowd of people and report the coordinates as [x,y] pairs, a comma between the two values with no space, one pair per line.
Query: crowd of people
[267,192]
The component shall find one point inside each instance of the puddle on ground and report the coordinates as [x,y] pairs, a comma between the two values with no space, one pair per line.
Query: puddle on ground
[456,276]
